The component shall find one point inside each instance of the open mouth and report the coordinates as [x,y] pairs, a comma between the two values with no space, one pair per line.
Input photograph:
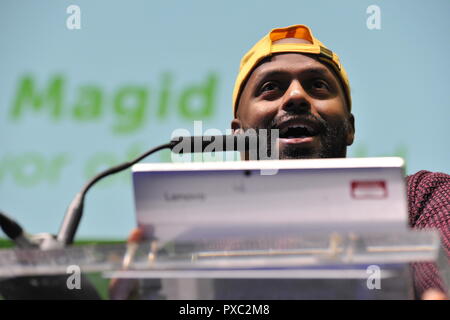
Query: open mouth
[297,131]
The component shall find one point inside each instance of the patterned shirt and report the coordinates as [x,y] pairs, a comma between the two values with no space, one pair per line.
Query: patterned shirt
[429,207]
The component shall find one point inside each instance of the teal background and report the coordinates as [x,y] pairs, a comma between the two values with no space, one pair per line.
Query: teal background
[399,77]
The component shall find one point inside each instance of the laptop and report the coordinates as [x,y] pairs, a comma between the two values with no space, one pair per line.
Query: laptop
[265,229]
[274,199]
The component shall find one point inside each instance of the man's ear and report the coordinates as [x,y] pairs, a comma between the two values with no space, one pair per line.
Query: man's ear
[236,126]
[351,129]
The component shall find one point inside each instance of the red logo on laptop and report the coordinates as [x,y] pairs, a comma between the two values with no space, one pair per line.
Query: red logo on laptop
[369,189]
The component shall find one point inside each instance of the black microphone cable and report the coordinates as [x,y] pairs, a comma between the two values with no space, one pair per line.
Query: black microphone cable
[74,212]
[190,144]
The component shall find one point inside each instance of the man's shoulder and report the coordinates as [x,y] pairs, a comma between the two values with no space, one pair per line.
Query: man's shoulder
[425,177]
[429,207]
[428,193]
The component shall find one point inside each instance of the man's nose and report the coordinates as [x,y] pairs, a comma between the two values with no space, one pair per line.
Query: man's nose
[295,99]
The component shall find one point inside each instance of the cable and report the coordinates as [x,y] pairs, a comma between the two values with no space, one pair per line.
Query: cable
[74,212]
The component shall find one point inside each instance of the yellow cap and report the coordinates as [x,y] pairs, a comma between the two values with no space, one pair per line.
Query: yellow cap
[265,47]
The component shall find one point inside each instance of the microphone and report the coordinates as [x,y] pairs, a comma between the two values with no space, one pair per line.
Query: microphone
[15,232]
[237,142]
[54,286]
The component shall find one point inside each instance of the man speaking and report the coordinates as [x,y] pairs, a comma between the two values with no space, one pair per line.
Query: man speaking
[291,82]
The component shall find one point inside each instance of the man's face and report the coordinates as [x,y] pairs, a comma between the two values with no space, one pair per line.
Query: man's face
[302,98]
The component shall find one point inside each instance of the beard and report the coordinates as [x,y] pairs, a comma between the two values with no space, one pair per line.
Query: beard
[332,137]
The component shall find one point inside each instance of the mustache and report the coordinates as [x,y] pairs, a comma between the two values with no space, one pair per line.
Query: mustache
[310,118]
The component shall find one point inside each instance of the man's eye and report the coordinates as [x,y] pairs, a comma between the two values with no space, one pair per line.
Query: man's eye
[269,86]
[320,85]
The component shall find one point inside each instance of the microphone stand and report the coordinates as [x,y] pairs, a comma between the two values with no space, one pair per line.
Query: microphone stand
[33,287]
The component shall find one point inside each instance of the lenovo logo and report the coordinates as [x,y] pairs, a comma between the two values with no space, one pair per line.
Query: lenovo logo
[172,197]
